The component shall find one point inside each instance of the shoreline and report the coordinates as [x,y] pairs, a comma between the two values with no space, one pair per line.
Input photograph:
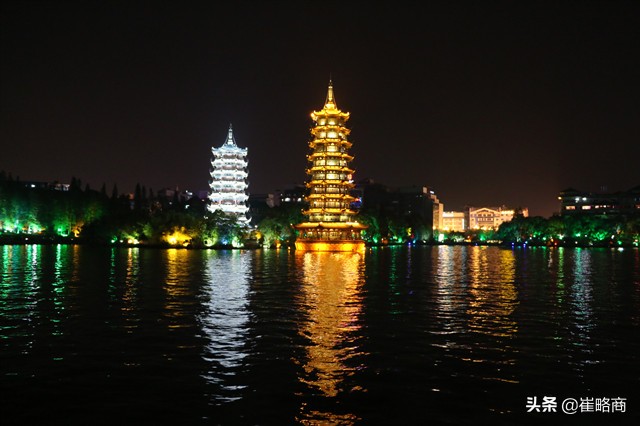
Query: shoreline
[17,239]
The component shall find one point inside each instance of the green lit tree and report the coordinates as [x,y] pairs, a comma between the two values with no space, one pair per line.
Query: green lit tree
[371,235]
[276,226]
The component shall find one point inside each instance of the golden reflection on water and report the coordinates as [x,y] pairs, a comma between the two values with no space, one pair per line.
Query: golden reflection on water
[476,294]
[129,298]
[479,282]
[450,277]
[331,294]
[75,263]
[176,284]
[493,294]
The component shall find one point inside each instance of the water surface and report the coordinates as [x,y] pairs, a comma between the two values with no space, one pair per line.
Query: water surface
[441,335]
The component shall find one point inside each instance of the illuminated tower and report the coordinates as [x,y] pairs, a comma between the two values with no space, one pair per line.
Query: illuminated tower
[331,225]
[228,185]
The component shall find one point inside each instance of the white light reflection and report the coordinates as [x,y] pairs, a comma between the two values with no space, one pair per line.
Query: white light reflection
[582,299]
[33,257]
[20,274]
[225,319]
[60,284]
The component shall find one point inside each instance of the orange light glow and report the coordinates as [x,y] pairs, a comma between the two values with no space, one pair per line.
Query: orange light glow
[332,294]
[177,238]
[347,246]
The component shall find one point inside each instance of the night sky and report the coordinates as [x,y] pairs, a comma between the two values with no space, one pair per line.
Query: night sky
[488,103]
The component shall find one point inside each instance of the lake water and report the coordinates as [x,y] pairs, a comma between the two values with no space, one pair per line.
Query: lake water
[438,335]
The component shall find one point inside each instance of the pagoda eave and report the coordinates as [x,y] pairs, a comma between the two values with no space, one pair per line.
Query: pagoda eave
[340,169]
[331,154]
[328,211]
[332,196]
[326,141]
[330,225]
[329,182]
[329,112]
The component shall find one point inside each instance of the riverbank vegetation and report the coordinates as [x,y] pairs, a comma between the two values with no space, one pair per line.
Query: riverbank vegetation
[33,213]
[37,213]
[564,231]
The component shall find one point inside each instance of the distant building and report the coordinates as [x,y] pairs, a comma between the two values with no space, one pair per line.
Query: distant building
[60,186]
[375,196]
[56,186]
[491,217]
[228,185]
[438,210]
[270,200]
[454,221]
[167,196]
[259,205]
[573,201]
[202,194]
[37,185]
[293,195]
[415,203]
[357,192]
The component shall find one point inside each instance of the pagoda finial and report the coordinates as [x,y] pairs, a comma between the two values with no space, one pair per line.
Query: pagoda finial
[331,101]
[230,139]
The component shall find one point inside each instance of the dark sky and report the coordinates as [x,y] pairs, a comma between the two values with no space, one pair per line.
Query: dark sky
[488,103]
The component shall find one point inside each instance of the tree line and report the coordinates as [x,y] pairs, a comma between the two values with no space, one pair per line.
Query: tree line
[60,213]
[147,218]
[579,229]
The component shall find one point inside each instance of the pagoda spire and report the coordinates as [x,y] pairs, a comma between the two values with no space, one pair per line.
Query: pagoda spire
[230,139]
[330,103]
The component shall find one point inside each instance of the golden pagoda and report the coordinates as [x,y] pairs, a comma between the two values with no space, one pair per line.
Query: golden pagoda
[331,225]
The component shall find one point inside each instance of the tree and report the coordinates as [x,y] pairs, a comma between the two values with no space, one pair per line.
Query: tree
[276,226]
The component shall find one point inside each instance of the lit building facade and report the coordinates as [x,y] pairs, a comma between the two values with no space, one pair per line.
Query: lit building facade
[438,210]
[228,185]
[453,221]
[605,203]
[331,225]
[491,217]
[293,195]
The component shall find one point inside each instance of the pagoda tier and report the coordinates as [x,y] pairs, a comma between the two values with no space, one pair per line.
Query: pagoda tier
[331,225]
[228,185]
